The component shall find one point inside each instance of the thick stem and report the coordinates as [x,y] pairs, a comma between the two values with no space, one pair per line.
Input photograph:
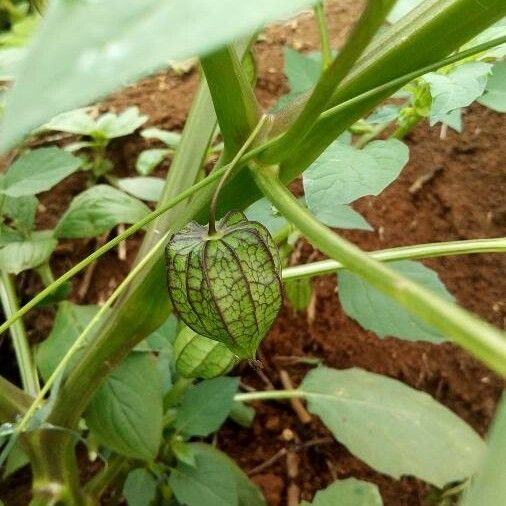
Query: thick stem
[24,358]
[479,338]
[430,250]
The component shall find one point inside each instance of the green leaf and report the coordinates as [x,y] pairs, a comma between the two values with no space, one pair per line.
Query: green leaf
[495,91]
[144,188]
[299,293]
[27,253]
[489,487]
[458,88]
[393,428]
[384,114]
[38,171]
[16,460]
[350,492]
[77,121]
[171,139]
[302,70]
[111,125]
[183,451]
[206,406]
[111,49]
[21,210]
[148,160]
[9,60]
[162,338]
[492,32]
[263,212]
[97,210]
[126,413]
[454,120]
[382,315]
[70,321]
[344,173]
[139,488]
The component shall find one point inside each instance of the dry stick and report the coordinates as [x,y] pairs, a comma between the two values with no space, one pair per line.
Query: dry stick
[90,270]
[297,405]
[267,463]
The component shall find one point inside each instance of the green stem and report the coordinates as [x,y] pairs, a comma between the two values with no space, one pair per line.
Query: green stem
[269,395]
[46,274]
[24,358]
[366,138]
[480,338]
[408,124]
[430,250]
[326,50]
[114,468]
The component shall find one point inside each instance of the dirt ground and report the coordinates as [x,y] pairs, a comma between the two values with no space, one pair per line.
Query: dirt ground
[464,199]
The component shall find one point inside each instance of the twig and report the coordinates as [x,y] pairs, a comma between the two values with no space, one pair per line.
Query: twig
[122,251]
[267,463]
[424,179]
[90,270]
[293,495]
[297,405]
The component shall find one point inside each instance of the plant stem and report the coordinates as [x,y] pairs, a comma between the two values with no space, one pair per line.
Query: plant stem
[429,250]
[46,274]
[326,50]
[365,139]
[24,358]
[408,125]
[480,338]
[269,395]
[114,468]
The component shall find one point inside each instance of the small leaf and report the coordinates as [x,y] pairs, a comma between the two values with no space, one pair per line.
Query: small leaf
[495,91]
[28,253]
[21,210]
[16,460]
[139,488]
[97,210]
[453,119]
[183,451]
[350,492]
[111,125]
[78,121]
[171,139]
[70,321]
[144,188]
[263,212]
[126,413]
[206,406]
[385,317]
[458,88]
[149,159]
[343,174]
[489,487]
[38,171]
[393,428]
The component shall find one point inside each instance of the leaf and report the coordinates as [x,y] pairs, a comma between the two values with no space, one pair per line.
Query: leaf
[148,160]
[171,139]
[97,210]
[162,338]
[302,70]
[454,120]
[126,413]
[70,321]
[458,88]
[206,406]
[492,32]
[9,60]
[350,492]
[376,312]
[111,126]
[299,292]
[343,174]
[495,91]
[39,170]
[384,114]
[27,253]
[263,212]
[77,121]
[144,188]
[489,487]
[16,460]
[139,488]
[393,428]
[21,210]
[111,49]
[183,451]
[211,481]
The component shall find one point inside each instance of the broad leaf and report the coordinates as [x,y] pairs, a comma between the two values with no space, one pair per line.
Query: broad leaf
[26,254]
[206,406]
[376,312]
[458,88]
[144,188]
[126,413]
[489,487]
[70,71]
[343,174]
[21,210]
[38,171]
[70,321]
[148,160]
[393,428]
[139,488]
[350,492]
[97,210]
[263,212]
[495,91]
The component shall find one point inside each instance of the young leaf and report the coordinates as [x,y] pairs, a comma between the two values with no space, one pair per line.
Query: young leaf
[110,125]
[97,210]
[144,188]
[70,321]
[206,406]
[183,451]
[343,174]
[382,315]
[139,488]
[21,210]
[38,171]
[171,139]
[393,428]
[489,487]
[495,91]
[148,160]
[126,413]
[459,88]
[111,49]
[26,254]
[350,492]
